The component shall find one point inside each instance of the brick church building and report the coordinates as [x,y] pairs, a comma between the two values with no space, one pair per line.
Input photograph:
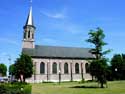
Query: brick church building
[52,63]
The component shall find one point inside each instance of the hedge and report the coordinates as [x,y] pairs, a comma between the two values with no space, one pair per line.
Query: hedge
[16,88]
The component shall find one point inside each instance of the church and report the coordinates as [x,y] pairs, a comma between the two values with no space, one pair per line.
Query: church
[54,63]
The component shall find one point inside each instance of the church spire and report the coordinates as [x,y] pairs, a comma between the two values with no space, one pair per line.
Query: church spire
[29,30]
[30,18]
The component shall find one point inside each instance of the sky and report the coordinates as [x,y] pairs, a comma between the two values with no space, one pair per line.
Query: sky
[61,23]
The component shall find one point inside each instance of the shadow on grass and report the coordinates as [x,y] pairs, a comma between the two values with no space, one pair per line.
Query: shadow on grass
[84,87]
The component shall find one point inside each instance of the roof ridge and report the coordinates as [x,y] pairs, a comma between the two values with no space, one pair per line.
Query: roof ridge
[63,46]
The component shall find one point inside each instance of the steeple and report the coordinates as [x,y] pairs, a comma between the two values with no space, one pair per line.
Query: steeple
[29,29]
[30,18]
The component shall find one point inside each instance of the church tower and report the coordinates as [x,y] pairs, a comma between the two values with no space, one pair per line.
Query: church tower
[28,34]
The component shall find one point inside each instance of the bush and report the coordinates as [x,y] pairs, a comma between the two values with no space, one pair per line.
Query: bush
[16,88]
[3,89]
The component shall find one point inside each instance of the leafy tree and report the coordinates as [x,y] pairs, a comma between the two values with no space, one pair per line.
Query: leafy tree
[23,67]
[3,69]
[118,66]
[98,66]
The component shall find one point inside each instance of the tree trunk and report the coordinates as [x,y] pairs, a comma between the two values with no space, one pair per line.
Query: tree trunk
[24,78]
[92,77]
[20,79]
[102,85]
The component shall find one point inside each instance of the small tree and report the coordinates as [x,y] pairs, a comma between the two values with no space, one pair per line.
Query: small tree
[3,69]
[98,66]
[23,67]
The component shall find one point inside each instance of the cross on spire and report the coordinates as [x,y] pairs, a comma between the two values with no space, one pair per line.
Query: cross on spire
[31,2]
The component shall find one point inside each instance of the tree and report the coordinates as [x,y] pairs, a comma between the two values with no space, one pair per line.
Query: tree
[3,69]
[118,66]
[23,67]
[98,66]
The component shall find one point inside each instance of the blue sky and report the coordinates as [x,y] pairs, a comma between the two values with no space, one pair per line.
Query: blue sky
[61,23]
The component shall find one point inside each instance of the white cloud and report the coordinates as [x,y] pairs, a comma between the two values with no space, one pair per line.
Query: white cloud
[65,24]
[55,15]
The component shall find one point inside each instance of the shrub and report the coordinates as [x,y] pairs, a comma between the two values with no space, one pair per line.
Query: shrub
[3,89]
[16,88]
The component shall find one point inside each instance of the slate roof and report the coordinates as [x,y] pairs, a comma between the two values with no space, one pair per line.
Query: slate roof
[58,52]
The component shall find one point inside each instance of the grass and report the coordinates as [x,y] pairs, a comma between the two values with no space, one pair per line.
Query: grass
[115,87]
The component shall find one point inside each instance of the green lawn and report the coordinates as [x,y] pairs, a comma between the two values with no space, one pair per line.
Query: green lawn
[115,87]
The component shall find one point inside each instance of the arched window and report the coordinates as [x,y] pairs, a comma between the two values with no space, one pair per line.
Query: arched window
[66,68]
[54,68]
[76,68]
[32,35]
[42,68]
[29,34]
[87,67]
[24,35]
